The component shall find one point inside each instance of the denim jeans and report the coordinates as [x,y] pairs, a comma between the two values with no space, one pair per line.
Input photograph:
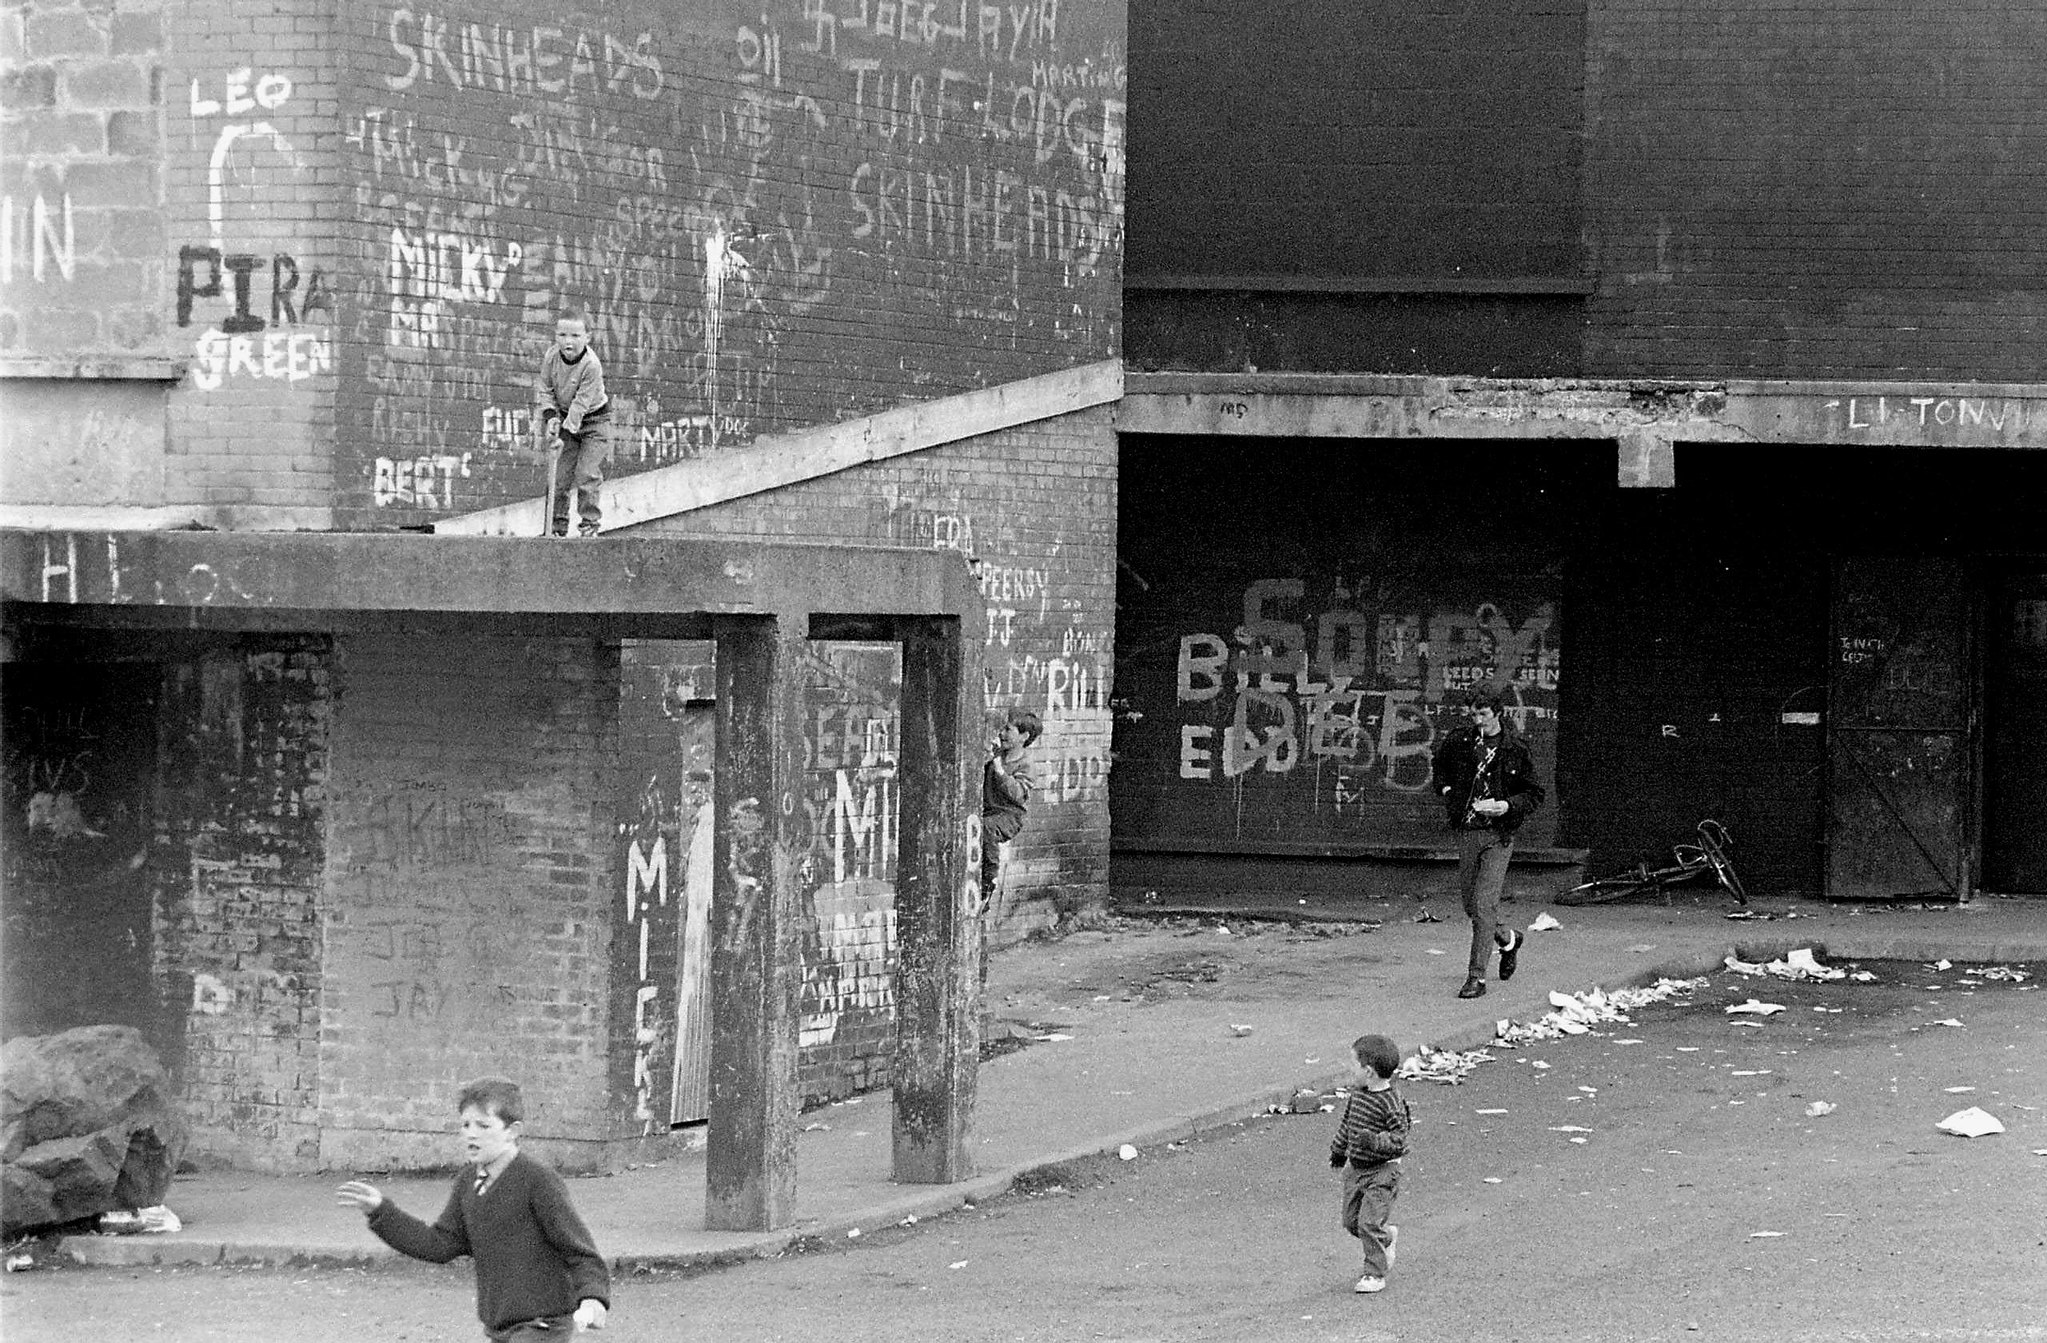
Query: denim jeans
[1367,1207]
[1482,871]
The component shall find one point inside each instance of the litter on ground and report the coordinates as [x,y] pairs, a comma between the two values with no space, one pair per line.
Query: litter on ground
[1973,1122]
[1798,964]
[1578,1013]
[1545,922]
[1446,1066]
[1756,1007]
[1818,1108]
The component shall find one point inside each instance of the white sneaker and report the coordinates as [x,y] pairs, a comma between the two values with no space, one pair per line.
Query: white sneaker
[1368,1283]
[1392,1242]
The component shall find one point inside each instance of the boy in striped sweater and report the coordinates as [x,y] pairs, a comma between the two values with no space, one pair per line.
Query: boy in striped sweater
[1370,1141]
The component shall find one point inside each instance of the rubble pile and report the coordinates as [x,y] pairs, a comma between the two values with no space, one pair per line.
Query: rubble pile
[87,1126]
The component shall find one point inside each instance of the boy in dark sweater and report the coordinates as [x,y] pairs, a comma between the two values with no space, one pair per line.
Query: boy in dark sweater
[538,1273]
[1370,1140]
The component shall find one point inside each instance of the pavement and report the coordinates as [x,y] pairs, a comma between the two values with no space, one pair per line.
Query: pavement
[1150,1030]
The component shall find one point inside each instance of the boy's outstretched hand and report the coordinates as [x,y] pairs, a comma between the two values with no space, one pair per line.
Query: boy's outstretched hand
[358,1194]
[590,1315]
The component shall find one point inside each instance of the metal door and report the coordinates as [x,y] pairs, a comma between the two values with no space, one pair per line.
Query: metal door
[1898,750]
[2015,739]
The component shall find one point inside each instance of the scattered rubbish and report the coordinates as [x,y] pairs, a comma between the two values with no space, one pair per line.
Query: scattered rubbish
[1630,1040]
[810,1128]
[2003,972]
[1973,1122]
[1590,1091]
[1756,1024]
[1054,1036]
[1580,1141]
[1577,1013]
[1538,1063]
[1544,922]
[1223,928]
[1949,1021]
[153,1221]
[1744,916]
[1642,948]
[1758,1008]
[1862,976]
[960,1263]
[1240,1027]
[1127,1152]
[1489,1112]
[1494,1179]
[2040,1151]
[1956,1091]
[20,1263]
[1426,917]
[1569,1128]
[1798,964]
[1942,964]
[1764,1235]
[1818,1108]
[910,1220]
[1436,951]
[853,1233]
[1446,1066]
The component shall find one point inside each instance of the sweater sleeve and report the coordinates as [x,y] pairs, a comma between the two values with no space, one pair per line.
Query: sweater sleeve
[446,1239]
[565,1230]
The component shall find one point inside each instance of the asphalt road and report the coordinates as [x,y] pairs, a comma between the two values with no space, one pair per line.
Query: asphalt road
[1699,1201]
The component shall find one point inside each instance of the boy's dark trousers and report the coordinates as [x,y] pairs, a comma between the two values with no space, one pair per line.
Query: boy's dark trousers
[579,471]
[1482,872]
[1367,1204]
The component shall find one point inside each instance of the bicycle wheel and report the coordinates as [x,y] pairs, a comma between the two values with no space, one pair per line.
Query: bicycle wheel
[1713,839]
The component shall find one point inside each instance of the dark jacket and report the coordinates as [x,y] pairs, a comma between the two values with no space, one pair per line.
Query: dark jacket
[1510,777]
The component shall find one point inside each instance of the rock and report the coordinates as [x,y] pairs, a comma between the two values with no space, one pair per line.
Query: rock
[87,1126]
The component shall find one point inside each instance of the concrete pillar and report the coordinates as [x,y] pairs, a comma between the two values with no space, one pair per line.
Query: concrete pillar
[938,929]
[750,1177]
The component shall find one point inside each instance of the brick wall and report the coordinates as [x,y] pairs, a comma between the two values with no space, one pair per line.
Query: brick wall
[1838,191]
[1036,508]
[255,292]
[474,878]
[776,216]
[238,868]
[1390,176]
[82,268]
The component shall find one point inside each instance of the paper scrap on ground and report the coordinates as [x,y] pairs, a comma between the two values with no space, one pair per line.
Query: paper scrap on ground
[1948,1021]
[1973,1122]
[1569,1128]
[2003,972]
[1758,1008]
[1054,1036]
[1942,964]
[1818,1108]
[1799,964]
[1956,1091]
[1240,1028]
[1442,1065]
[1764,1235]
[1127,1152]
[1489,1112]
[1545,922]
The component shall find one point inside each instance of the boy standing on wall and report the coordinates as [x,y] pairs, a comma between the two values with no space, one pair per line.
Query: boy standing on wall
[574,416]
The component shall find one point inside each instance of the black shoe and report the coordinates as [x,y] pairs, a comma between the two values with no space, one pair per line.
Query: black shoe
[1510,957]
[1473,988]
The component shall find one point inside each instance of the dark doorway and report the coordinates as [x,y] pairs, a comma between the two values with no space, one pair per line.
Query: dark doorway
[2015,743]
[77,792]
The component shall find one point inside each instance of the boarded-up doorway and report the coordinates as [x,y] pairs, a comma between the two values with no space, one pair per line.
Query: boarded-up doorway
[1898,749]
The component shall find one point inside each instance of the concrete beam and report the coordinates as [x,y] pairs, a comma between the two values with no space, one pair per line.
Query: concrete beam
[938,929]
[1304,405]
[779,460]
[224,573]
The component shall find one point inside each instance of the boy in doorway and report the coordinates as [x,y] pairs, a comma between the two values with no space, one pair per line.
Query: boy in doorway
[574,416]
[538,1273]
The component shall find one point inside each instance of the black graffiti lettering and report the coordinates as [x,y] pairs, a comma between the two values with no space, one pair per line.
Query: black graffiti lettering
[187,289]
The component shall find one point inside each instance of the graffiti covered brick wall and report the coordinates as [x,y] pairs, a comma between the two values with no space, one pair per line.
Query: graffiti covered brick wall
[774,216]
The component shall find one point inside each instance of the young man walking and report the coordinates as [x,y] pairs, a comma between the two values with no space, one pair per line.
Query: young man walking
[1486,777]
